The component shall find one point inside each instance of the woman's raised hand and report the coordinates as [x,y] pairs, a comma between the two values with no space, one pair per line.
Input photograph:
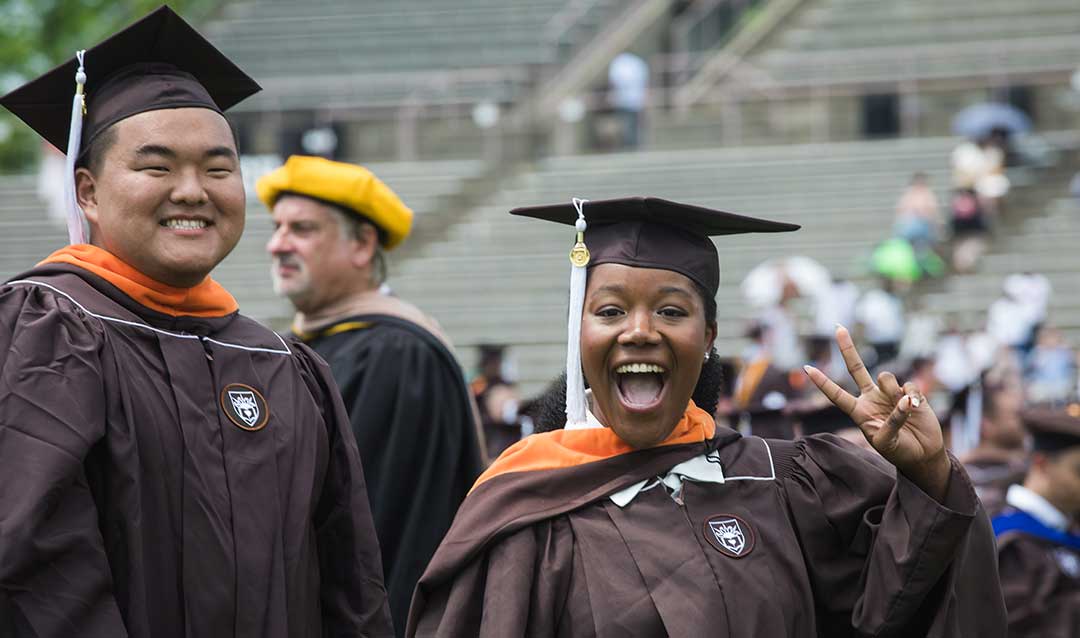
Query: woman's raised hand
[898,422]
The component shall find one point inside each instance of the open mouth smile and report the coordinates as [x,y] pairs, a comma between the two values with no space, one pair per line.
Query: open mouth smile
[641,386]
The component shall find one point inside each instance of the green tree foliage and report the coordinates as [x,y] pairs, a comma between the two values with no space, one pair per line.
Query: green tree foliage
[36,35]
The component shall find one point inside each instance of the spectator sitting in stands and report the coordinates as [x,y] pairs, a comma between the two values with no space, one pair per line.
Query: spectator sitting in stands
[1050,368]
[979,184]
[980,167]
[918,214]
[969,230]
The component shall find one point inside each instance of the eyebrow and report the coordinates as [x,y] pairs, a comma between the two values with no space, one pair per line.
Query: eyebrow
[614,288]
[165,151]
[220,151]
[675,290]
[155,149]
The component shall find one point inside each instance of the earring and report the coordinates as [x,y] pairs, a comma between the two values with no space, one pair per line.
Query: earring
[707,355]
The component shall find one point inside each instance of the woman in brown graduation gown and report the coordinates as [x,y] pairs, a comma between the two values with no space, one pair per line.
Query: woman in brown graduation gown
[647,519]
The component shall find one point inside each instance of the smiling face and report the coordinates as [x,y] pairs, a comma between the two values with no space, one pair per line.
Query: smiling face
[643,342]
[167,197]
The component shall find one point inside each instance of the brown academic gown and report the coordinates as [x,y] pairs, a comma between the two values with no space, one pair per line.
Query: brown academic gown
[1041,583]
[131,504]
[832,545]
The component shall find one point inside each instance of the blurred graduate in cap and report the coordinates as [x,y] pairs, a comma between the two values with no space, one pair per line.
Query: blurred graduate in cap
[410,407]
[1038,543]
[497,400]
[635,514]
[1000,455]
[169,466]
[763,393]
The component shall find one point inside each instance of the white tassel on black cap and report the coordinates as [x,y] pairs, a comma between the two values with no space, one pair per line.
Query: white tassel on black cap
[575,379]
[76,220]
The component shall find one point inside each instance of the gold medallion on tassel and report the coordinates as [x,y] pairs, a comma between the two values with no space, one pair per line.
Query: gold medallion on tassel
[579,254]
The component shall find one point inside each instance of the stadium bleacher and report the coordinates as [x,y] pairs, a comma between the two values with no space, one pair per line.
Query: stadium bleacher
[837,41]
[501,279]
[380,53]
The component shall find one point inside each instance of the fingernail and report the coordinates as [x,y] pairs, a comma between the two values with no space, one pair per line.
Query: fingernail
[806,369]
[915,401]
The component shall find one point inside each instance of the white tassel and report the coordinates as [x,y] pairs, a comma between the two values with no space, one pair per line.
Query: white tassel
[76,220]
[972,424]
[575,379]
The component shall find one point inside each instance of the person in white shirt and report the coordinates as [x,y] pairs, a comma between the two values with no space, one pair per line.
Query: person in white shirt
[881,314]
[628,76]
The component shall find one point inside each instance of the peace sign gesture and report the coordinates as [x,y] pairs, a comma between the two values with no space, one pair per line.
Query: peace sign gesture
[898,422]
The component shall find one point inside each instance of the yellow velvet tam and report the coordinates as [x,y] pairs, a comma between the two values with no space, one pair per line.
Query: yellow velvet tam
[352,187]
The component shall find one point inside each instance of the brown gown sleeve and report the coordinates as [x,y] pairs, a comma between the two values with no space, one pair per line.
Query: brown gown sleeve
[518,587]
[353,596]
[53,565]
[886,559]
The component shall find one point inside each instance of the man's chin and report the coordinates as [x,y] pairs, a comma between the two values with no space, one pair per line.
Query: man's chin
[296,294]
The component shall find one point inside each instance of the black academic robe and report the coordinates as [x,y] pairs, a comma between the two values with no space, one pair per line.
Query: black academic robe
[414,424]
[145,492]
[814,538]
[1040,578]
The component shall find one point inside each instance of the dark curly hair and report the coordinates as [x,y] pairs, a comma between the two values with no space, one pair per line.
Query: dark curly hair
[549,409]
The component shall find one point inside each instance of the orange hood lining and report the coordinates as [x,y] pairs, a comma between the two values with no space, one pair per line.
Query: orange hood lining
[207,299]
[569,448]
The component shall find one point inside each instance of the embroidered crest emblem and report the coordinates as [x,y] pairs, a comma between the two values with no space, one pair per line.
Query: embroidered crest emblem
[244,406]
[730,535]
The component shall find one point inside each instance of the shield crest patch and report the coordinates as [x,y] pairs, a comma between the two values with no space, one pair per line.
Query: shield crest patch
[730,535]
[245,407]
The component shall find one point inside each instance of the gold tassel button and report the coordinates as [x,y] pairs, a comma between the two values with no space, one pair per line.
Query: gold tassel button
[579,254]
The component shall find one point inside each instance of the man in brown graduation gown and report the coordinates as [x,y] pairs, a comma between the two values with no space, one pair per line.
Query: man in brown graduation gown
[1038,543]
[168,467]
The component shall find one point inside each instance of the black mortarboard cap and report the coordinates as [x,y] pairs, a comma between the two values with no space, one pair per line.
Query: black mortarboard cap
[649,232]
[156,63]
[1053,428]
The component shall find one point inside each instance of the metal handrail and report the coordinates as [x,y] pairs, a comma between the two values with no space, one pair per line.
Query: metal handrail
[683,24]
[566,19]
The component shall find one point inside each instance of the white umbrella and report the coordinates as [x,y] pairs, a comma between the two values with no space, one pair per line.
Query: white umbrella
[764,285]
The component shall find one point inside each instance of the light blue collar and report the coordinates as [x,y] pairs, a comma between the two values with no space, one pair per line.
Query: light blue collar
[1034,504]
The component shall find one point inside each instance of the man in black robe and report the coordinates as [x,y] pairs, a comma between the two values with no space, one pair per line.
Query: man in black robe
[410,407]
[168,467]
[1038,544]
